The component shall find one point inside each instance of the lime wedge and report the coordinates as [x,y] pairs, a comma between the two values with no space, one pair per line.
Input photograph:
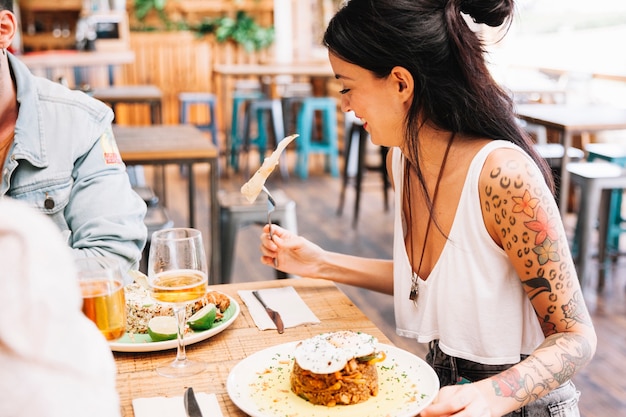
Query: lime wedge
[203,319]
[162,328]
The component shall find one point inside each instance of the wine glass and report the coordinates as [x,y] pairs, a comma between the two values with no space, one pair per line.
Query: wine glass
[177,275]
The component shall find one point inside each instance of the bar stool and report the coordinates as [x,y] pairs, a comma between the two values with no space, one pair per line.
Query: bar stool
[236,212]
[354,127]
[241,101]
[256,113]
[291,97]
[328,142]
[593,178]
[207,100]
[616,154]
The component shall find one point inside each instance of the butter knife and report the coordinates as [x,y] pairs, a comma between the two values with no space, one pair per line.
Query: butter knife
[191,404]
[274,315]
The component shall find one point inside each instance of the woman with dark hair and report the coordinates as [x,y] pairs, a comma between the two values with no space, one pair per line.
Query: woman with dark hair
[481,267]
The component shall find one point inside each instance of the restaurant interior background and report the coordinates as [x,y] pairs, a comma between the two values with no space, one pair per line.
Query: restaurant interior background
[566,45]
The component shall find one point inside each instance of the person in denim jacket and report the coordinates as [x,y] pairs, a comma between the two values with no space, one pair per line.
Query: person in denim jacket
[58,154]
[481,270]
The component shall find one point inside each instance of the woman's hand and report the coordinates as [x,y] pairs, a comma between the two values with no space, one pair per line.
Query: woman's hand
[465,400]
[290,253]
[296,255]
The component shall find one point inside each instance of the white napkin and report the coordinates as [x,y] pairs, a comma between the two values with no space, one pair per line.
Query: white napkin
[293,310]
[174,406]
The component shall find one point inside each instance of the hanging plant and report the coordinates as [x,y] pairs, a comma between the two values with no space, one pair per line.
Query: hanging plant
[142,8]
[242,30]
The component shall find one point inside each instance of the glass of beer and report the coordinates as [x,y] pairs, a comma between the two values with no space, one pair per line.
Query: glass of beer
[102,287]
[177,275]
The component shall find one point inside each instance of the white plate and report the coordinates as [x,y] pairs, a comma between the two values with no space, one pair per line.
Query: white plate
[259,386]
[143,343]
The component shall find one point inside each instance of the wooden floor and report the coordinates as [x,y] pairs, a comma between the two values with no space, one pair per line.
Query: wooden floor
[602,383]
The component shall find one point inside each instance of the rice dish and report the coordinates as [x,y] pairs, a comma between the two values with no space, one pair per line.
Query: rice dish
[336,368]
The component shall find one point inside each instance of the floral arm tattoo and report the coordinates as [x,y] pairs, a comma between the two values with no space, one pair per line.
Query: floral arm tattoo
[530,228]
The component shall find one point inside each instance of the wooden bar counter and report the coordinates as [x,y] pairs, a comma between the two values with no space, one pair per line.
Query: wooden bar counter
[138,379]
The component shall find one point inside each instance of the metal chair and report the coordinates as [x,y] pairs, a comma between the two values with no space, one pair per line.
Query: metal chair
[356,140]
[593,178]
[236,212]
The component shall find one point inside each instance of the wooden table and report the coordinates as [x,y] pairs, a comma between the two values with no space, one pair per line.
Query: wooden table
[137,378]
[148,94]
[570,120]
[44,63]
[182,145]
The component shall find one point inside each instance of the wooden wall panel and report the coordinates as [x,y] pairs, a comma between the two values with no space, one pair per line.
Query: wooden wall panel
[176,62]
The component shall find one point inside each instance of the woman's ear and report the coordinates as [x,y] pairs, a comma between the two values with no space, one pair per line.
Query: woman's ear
[8,26]
[404,81]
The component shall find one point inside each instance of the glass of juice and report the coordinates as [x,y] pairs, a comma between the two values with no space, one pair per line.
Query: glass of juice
[102,287]
[177,275]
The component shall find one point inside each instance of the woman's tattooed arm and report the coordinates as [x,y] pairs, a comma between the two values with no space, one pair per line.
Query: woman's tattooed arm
[522,216]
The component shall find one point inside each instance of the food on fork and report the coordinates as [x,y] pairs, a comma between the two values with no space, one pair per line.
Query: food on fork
[336,368]
[253,187]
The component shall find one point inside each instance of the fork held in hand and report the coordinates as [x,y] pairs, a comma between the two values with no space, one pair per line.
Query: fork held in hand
[271,206]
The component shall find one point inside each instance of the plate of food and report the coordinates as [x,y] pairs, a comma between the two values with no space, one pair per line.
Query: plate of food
[333,374]
[140,309]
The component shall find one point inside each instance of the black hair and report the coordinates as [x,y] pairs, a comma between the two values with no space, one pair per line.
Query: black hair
[6,5]
[454,89]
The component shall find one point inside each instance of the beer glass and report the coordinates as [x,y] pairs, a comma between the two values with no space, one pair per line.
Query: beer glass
[102,287]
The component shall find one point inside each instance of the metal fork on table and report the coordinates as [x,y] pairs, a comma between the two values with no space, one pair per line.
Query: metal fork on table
[271,206]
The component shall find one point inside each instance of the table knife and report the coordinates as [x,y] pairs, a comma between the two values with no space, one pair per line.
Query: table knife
[274,315]
[191,404]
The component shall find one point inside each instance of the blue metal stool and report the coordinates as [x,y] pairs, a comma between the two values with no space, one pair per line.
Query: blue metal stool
[328,142]
[187,99]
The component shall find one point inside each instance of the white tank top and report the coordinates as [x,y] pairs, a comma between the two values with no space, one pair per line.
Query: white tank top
[473,300]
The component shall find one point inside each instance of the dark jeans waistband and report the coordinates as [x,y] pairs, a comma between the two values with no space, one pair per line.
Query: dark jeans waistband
[561,402]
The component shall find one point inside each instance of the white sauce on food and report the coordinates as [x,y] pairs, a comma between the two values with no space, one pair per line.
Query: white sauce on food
[330,352]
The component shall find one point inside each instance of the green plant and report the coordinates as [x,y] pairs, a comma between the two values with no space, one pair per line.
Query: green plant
[243,30]
[142,9]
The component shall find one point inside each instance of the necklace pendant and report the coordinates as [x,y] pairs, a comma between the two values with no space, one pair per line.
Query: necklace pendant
[415,288]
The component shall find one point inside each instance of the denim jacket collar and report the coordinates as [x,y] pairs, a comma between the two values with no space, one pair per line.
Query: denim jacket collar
[29,139]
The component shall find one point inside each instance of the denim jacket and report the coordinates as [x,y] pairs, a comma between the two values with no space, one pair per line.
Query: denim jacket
[64,161]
